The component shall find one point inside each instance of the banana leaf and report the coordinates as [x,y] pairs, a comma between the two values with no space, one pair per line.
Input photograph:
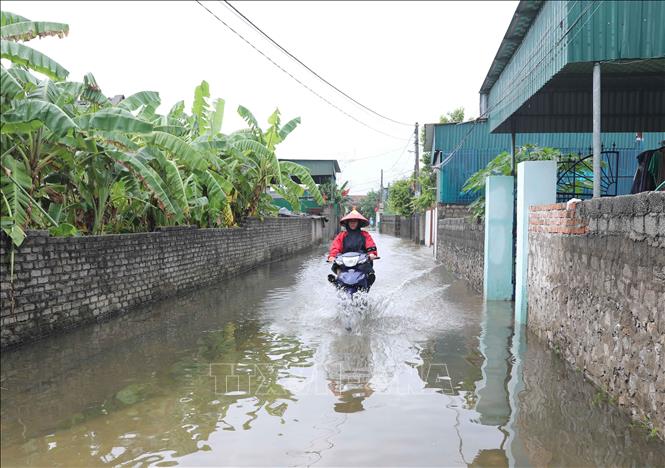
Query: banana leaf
[92,92]
[114,119]
[142,98]
[9,87]
[216,117]
[26,30]
[24,77]
[200,105]
[46,91]
[173,182]
[30,58]
[7,18]
[179,148]
[151,180]
[288,128]
[251,121]
[37,110]
[302,173]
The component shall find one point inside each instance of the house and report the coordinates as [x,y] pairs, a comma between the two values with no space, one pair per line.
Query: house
[555,61]
[322,171]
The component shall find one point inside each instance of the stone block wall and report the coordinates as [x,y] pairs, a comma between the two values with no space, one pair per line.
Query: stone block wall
[461,248]
[398,226]
[452,211]
[390,224]
[596,286]
[60,282]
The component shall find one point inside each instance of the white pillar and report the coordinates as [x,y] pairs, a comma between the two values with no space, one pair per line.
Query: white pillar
[498,265]
[596,130]
[536,185]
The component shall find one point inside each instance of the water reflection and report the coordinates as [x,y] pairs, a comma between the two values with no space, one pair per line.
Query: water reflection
[258,372]
[349,370]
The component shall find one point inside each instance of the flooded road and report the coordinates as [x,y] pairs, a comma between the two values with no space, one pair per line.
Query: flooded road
[259,372]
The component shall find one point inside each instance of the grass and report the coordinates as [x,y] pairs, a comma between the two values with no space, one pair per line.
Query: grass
[646,425]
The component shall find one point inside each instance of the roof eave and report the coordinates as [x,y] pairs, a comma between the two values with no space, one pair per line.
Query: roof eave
[525,13]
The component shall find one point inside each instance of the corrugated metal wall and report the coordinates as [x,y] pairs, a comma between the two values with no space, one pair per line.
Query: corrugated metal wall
[480,147]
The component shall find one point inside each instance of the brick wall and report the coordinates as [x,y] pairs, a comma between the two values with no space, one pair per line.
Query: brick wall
[461,248]
[596,285]
[63,282]
[559,218]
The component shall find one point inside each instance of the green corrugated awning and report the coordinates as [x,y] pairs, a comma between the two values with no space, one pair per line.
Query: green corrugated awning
[543,84]
[318,167]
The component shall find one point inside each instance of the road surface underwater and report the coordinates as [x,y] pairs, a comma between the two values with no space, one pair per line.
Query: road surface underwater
[259,371]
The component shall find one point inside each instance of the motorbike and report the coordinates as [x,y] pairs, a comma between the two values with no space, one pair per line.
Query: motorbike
[353,273]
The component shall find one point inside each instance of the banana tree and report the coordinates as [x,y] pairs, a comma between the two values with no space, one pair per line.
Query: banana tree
[262,168]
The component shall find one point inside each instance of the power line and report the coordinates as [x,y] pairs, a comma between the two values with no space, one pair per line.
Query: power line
[293,77]
[362,158]
[308,68]
[375,181]
[401,154]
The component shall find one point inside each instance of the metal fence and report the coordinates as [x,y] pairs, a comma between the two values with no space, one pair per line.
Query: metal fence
[619,166]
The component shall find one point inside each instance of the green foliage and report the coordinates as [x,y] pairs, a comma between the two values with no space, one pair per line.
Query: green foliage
[400,197]
[427,182]
[334,194]
[367,205]
[455,116]
[502,165]
[76,163]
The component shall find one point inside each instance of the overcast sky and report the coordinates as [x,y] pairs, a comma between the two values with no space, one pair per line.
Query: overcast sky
[410,61]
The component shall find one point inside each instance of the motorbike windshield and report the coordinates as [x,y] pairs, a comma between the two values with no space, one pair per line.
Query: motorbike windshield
[351,277]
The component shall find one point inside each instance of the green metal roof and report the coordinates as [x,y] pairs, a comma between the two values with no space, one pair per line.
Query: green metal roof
[318,167]
[539,49]
[519,25]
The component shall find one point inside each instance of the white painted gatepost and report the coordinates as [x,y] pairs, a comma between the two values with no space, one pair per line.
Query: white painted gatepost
[536,185]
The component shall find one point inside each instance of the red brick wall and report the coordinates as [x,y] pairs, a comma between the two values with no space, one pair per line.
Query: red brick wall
[559,218]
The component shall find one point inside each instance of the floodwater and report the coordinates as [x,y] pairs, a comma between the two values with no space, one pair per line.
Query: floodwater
[259,371]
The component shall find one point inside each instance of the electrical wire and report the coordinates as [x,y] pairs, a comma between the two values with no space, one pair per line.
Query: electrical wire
[227,3]
[375,181]
[401,154]
[293,77]
[362,158]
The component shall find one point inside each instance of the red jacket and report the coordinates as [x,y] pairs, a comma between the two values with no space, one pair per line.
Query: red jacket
[338,244]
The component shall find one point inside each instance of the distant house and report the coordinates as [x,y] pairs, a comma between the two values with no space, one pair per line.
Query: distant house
[322,171]
[355,200]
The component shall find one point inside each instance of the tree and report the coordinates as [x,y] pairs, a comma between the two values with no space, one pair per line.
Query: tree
[76,162]
[369,203]
[400,197]
[427,182]
[455,116]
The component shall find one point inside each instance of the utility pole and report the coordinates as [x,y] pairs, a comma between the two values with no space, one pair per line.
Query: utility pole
[416,186]
[381,190]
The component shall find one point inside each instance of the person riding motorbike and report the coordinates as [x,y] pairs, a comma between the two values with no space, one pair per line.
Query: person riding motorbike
[353,239]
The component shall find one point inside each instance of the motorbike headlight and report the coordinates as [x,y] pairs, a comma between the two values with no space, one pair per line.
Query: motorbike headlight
[350,261]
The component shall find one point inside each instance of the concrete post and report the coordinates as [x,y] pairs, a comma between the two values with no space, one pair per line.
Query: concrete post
[597,148]
[493,403]
[498,268]
[536,185]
